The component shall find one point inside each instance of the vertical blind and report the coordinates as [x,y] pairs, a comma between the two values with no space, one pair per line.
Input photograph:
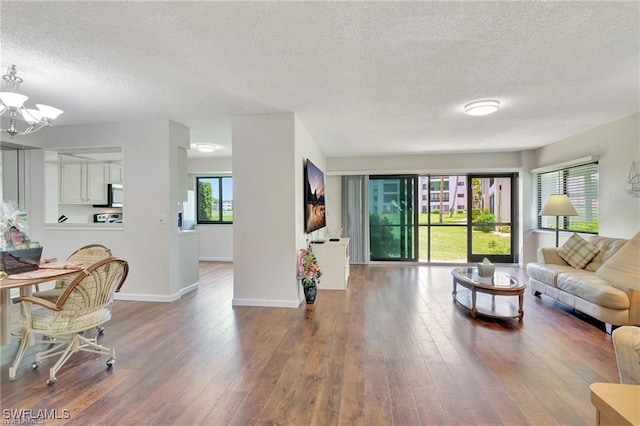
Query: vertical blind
[580,184]
[355,218]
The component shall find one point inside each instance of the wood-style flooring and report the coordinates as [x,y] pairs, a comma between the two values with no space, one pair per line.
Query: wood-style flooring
[391,350]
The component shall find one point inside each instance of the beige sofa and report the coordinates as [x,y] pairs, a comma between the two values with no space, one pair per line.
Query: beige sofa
[582,289]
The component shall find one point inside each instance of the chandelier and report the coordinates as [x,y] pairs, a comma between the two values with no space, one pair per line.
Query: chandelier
[12,107]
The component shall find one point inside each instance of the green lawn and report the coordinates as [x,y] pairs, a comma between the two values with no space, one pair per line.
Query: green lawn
[449,243]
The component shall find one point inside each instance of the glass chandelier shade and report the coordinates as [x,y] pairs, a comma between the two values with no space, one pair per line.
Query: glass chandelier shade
[12,108]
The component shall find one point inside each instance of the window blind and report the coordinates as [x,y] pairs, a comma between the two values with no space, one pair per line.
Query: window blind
[580,184]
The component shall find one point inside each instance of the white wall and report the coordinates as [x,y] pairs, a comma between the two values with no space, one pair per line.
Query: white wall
[215,242]
[305,148]
[333,201]
[149,153]
[264,244]
[617,145]
[435,163]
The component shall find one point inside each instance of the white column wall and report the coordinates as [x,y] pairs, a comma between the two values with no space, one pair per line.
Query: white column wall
[264,242]
[149,193]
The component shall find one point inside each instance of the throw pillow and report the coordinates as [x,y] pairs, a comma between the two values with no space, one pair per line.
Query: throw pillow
[577,252]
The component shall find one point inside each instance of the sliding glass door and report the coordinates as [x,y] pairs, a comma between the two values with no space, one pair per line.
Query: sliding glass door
[443,223]
[492,204]
[442,218]
[392,218]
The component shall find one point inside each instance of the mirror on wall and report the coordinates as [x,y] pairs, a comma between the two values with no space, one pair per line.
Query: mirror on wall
[84,186]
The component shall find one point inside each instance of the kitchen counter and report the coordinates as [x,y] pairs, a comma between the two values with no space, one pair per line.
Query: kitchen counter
[84,226]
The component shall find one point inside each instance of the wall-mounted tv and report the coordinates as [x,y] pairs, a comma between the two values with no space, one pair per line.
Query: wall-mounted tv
[314,209]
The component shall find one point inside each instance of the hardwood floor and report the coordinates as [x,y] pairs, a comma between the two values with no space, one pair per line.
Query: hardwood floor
[392,349]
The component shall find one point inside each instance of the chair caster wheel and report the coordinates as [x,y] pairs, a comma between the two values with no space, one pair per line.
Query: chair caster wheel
[110,362]
[100,329]
[51,381]
[35,365]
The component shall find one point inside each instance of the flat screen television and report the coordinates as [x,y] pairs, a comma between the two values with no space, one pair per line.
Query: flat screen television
[314,209]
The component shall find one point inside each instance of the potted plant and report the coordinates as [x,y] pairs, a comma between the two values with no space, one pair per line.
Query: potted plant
[309,274]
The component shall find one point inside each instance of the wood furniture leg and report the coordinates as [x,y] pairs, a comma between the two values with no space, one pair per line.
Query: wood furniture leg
[474,310]
[5,303]
[521,306]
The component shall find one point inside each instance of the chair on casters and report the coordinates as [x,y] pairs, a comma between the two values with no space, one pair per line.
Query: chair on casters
[84,304]
[84,257]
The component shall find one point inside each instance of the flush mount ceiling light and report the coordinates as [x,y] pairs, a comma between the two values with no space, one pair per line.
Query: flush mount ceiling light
[12,103]
[487,106]
[205,147]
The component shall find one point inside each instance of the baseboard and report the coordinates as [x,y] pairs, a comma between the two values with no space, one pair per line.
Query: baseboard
[216,259]
[147,297]
[188,289]
[266,303]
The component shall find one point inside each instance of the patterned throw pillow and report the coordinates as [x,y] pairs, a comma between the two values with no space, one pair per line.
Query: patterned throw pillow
[577,252]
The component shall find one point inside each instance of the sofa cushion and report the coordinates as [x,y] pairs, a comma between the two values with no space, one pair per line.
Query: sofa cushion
[577,252]
[547,273]
[588,286]
[623,268]
[608,247]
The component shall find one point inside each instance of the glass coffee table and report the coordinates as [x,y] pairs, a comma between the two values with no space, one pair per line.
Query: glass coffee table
[479,293]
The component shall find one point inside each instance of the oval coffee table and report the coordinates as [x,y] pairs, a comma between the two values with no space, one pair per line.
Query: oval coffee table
[501,284]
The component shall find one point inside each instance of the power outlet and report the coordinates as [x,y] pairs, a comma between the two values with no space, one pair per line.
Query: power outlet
[162,219]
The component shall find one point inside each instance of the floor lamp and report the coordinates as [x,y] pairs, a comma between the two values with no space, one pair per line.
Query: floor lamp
[558,205]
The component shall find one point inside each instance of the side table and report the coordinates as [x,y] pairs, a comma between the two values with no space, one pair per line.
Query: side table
[616,404]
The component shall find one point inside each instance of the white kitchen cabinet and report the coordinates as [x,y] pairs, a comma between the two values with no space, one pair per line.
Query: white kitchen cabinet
[333,259]
[83,183]
[115,173]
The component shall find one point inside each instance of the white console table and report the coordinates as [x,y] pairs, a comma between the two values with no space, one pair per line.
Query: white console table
[333,258]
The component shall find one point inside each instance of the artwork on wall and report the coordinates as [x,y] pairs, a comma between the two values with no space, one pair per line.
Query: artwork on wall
[314,207]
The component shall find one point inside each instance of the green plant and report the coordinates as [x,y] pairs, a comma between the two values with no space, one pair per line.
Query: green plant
[475,212]
[435,211]
[383,241]
[205,200]
[485,218]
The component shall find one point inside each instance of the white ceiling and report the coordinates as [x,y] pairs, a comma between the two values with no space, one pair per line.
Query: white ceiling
[365,78]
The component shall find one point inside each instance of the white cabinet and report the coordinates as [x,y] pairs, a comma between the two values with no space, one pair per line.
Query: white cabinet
[83,183]
[333,258]
[115,173]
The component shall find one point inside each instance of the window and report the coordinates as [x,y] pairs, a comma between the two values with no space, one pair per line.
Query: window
[435,185]
[580,184]
[435,197]
[215,199]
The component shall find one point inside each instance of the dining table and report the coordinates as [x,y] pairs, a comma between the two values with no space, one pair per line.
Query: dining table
[24,282]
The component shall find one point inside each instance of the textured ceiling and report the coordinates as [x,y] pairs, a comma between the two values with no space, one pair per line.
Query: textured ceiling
[365,78]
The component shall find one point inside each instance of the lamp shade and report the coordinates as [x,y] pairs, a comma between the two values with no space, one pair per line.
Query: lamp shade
[623,268]
[49,111]
[13,100]
[558,205]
